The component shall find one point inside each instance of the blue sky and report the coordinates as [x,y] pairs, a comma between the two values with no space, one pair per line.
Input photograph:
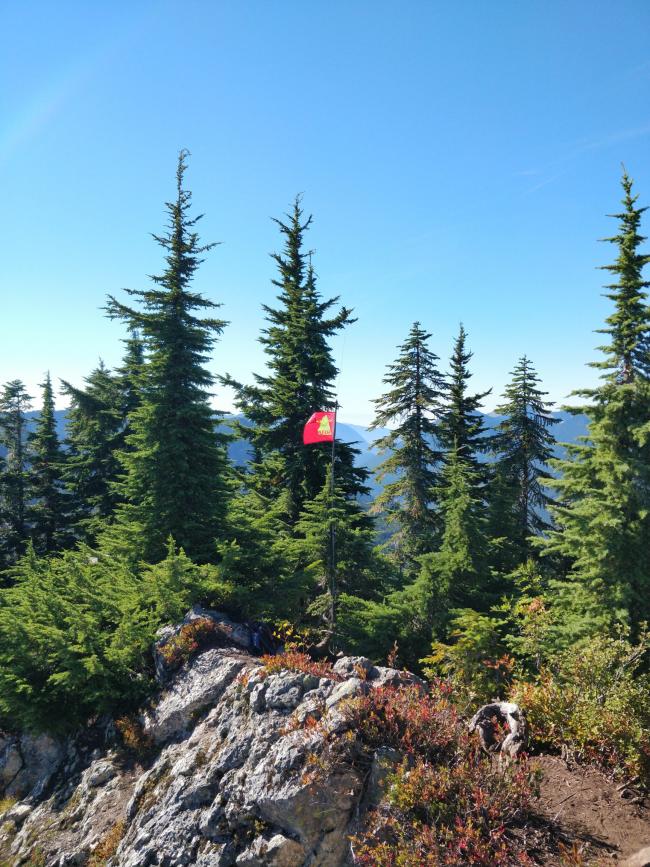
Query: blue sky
[459,160]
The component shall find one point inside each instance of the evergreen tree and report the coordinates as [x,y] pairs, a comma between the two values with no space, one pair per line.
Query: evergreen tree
[456,576]
[412,405]
[129,375]
[603,517]
[355,564]
[76,632]
[14,530]
[524,443]
[94,438]
[627,355]
[253,560]
[99,423]
[461,428]
[175,480]
[299,380]
[460,568]
[459,573]
[49,507]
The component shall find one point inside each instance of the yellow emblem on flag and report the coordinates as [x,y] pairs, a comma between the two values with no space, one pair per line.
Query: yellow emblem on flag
[324,429]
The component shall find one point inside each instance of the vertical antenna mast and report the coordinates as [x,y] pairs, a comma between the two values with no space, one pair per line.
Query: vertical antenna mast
[332,557]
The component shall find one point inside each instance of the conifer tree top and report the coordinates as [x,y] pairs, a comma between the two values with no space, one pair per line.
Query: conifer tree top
[175,470]
[627,355]
[299,378]
[415,381]
[462,427]
[170,300]
[412,405]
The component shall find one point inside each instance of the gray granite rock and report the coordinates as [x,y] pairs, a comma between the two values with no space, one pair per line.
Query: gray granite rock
[28,763]
[236,777]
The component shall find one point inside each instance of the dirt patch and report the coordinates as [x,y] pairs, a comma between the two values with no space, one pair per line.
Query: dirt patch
[587,814]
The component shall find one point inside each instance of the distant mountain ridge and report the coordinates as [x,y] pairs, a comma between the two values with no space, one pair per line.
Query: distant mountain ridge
[570,428]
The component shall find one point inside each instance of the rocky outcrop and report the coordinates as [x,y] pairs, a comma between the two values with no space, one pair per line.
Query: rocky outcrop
[27,764]
[239,767]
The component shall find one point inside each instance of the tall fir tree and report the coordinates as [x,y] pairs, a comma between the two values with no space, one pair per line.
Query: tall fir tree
[299,380]
[458,573]
[456,576]
[14,497]
[627,355]
[129,378]
[412,407]
[524,444]
[334,525]
[603,517]
[94,438]
[461,429]
[175,468]
[49,507]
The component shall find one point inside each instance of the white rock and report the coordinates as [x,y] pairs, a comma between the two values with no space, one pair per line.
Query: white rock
[279,851]
[17,814]
[349,666]
[236,776]
[346,690]
[198,688]
[100,773]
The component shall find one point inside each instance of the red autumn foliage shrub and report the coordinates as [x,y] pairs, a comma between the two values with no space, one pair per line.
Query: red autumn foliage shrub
[418,725]
[294,660]
[447,803]
[190,638]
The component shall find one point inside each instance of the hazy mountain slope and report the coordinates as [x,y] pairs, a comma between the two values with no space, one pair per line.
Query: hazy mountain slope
[570,428]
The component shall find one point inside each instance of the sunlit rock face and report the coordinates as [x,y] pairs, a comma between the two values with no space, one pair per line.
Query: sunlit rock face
[238,767]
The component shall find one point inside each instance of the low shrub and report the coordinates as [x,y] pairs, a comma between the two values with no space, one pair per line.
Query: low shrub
[190,638]
[290,636]
[446,804]
[294,660]
[107,847]
[74,641]
[6,804]
[593,702]
[418,725]
[448,816]
[134,738]
[76,631]
[474,660]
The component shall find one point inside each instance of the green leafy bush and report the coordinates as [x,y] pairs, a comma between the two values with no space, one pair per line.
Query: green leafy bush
[73,637]
[366,627]
[474,662]
[594,701]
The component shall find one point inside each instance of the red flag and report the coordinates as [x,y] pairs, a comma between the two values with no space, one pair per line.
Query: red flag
[319,428]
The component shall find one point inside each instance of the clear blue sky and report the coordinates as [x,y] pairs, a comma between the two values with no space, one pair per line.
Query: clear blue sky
[459,159]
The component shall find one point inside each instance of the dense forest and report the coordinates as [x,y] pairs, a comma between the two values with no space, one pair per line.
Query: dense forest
[485,560]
